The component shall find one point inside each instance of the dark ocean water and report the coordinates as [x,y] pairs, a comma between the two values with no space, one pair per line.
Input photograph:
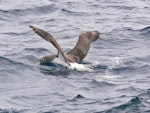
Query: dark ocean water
[120,82]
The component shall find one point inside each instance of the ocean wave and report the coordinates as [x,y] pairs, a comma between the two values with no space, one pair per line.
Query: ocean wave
[119,7]
[143,59]
[140,104]
[54,69]
[100,68]
[71,8]
[13,110]
[35,50]
[128,65]
[116,83]
[15,33]
[145,31]
[118,30]
[119,65]
[46,9]
[130,89]
[69,12]
[7,62]
[9,110]
[141,69]
[120,70]
[78,97]
[129,69]
[101,84]
[9,65]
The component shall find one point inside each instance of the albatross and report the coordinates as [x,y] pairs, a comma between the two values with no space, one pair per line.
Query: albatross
[74,56]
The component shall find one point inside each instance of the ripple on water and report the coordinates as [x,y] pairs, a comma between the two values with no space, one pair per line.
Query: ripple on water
[68,12]
[46,9]
[118,83]
[145,31]
[78,97]
[101,84]
[9,110]
[140,104]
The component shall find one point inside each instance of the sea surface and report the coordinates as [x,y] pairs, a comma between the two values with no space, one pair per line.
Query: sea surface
[120,80]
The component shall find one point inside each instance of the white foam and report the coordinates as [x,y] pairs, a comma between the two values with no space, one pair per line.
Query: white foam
[116,62]
[80,67]
[110,76]
[73,66]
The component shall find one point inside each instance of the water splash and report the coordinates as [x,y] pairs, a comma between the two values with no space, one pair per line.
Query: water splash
[117,62]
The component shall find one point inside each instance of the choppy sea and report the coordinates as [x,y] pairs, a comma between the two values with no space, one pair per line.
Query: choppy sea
[120,80]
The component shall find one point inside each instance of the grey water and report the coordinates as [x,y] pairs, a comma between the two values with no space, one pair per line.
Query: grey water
[120,80]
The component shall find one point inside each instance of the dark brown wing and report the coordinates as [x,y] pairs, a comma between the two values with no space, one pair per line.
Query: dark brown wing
[81,49]
[48,37]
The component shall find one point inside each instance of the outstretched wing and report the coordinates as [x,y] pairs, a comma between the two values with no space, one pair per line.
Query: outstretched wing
[48,37]
[81,49]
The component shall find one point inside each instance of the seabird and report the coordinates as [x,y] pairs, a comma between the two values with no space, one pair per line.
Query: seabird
[77,54]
